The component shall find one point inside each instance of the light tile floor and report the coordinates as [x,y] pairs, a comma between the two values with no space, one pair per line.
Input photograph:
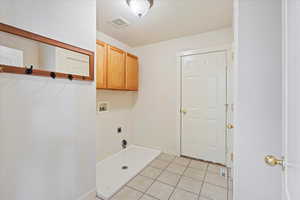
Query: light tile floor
[175,178]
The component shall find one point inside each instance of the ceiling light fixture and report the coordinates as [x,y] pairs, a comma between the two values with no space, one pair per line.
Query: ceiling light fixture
[140,7]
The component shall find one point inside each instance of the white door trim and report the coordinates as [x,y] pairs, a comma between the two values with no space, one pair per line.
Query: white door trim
[285,192]
[229,50]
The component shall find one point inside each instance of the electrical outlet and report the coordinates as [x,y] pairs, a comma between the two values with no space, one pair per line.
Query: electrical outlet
[102,106]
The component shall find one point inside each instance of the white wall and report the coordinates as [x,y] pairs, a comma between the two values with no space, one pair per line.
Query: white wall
[259,99]
[47,127]
[156,113]
[119,115]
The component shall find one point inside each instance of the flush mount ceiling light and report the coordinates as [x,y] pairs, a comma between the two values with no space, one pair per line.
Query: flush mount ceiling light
[140,7]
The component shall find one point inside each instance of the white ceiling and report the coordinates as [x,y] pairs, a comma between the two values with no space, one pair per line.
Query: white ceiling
[167,19]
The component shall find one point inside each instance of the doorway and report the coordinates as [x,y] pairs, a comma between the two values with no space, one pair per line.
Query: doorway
[206,105]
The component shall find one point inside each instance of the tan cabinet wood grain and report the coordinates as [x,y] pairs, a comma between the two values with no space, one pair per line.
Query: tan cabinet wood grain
[132,71]
[116,68]
[101,62]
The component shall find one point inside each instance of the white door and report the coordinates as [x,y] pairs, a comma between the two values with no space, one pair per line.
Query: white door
[203,132]
[258,99]
[292,99]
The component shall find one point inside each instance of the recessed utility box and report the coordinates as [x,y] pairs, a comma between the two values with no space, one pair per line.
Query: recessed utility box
[102,106]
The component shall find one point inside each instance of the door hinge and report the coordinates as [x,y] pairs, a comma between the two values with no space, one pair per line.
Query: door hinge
[226,107]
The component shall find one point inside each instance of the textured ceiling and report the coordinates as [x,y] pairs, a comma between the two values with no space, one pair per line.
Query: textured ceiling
[167,19]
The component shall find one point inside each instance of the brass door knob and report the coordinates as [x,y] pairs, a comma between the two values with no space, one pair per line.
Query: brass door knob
[230,126]
[273,161]
[183,111]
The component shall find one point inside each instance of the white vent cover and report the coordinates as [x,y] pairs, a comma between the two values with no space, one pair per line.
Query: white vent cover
[119,22]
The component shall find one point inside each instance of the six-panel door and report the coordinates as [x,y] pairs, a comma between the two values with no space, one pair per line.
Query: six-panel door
[203,102]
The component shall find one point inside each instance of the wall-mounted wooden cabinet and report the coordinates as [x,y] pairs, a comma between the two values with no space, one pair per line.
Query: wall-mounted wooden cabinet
[116,69]
[132,72]
[101,63]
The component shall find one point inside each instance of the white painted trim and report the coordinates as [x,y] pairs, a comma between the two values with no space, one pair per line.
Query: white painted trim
[205,51]
[235,49]
[178,107]
[285,193]
[228,49]
[230,101]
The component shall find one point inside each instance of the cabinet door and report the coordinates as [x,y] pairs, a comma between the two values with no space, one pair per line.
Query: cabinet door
[132,78]
[116,68]
[101,75]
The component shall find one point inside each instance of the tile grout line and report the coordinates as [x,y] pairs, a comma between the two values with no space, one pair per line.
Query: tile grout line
[214,184]
[194,179]
[177,174]
[178,187]
[193,168]
[170,162]
[181,175]
[162,170]
[143,193]
[203,182]
[226,188]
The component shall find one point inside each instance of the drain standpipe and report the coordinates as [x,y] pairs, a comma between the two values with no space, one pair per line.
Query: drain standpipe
[124,167]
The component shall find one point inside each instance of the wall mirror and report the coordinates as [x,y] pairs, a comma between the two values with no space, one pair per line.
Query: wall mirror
[23,52]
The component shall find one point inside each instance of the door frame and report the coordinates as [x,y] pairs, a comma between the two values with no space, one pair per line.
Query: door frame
[285,193]
[230,57]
